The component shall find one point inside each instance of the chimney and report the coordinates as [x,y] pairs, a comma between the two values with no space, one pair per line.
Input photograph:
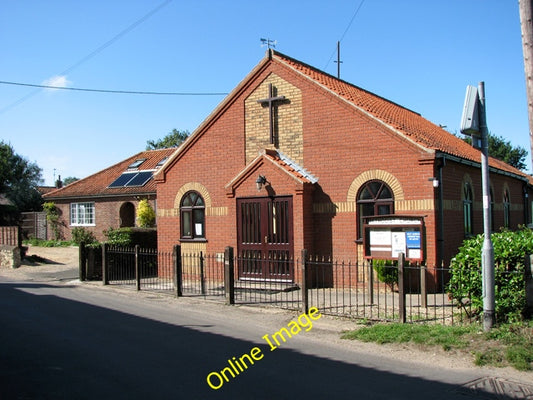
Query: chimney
[59,183]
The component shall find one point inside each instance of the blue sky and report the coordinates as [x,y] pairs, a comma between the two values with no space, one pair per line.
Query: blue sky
[418,53]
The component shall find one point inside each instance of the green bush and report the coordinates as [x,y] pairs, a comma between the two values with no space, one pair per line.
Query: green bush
[510,251]
[82,235]
[387,272]
[145,214]
[119,237]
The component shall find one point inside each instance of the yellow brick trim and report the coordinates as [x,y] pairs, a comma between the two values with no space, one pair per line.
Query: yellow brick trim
[216,211]
[193,247]
[167,212]
[414,205]
[375,174]
[333,208]
[351,207]
[197,187]
[209,211]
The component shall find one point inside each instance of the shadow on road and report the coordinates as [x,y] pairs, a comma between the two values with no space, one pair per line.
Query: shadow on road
[55,348]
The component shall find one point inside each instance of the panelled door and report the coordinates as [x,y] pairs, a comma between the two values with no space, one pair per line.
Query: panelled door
[265,238]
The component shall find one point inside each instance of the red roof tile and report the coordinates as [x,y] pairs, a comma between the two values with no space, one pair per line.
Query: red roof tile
[97,185]
[400,119]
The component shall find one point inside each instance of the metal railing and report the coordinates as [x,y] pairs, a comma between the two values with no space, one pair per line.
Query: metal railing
[355,290]
[402,292]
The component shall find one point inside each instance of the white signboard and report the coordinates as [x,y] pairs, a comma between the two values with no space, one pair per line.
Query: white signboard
[398,243]
[380,238]
[385,237]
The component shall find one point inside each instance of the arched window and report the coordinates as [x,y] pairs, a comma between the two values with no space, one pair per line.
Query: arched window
[192,212]
[506,209]
[468,214]
[374,198]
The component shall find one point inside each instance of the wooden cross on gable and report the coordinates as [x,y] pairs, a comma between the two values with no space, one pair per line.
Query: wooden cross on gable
[272,101]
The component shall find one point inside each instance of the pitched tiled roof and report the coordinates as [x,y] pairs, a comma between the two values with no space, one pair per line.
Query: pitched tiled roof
[406,122]
[278,159]
[97,185]
[290,166]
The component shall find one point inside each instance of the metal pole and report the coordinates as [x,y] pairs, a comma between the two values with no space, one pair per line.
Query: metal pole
[401,287]
[305,281]
[339,60]
[229,281]
[487,258]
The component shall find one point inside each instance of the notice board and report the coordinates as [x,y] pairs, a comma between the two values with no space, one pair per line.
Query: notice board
[385,237]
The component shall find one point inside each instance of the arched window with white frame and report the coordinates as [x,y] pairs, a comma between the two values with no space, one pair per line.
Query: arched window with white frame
[375,197]
[192,213]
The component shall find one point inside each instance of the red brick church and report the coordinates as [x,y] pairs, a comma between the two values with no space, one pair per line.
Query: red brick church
[294,158]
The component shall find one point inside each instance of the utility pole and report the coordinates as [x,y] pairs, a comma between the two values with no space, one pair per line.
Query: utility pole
[526,22]
[338,60]
[474,123]
[487,260]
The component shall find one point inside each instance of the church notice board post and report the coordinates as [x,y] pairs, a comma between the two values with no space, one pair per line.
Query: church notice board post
[386,236]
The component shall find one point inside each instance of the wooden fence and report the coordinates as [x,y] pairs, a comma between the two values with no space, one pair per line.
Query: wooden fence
[10,236]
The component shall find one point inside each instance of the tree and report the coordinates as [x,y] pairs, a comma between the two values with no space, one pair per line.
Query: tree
[70,179]
[503,149]
[173,139]
[145,214]
[526,17]
[52,216]
[19,179]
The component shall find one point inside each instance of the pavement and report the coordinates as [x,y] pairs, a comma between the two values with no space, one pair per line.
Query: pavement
[60,266]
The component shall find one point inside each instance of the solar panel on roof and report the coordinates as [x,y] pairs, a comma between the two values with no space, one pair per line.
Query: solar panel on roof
[140,179]
[122,180]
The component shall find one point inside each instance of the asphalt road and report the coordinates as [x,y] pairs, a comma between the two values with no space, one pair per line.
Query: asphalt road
[72,341]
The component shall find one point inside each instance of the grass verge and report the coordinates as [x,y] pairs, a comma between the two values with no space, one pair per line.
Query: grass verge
[509,344]
[48,243]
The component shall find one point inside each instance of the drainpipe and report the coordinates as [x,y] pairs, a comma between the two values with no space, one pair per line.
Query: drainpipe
[526,205]
[440,229]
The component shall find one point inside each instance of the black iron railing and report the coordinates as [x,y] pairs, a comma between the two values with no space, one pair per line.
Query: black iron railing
[360,290]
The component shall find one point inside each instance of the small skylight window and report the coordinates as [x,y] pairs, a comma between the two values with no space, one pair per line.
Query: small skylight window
[160,163]
[136,163]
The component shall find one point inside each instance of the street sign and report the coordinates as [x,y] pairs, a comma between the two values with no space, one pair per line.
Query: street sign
[470,117]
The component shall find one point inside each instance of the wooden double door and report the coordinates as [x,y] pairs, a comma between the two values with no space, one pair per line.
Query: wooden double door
[265,238]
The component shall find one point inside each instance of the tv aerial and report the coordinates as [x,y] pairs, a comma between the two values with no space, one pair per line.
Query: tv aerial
[268,43]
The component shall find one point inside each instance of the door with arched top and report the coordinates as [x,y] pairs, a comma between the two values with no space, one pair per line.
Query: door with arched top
[265,238]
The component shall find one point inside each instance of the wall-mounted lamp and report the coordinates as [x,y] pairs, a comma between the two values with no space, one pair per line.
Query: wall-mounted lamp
[260,181]
[435,182]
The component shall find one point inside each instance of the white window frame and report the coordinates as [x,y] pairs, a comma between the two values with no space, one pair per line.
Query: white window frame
[82,214]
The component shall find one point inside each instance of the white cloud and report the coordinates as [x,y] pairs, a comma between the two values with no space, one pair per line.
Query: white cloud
[58,81]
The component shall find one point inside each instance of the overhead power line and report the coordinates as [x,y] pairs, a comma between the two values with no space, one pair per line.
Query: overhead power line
[345,31]
[91,54]
[116,91]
